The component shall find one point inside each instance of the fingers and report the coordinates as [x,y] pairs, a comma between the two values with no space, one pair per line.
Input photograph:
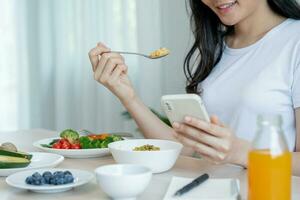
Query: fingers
[107,70]
[116,74]
[215,120]
[211,128]
[202,137]
[105,60]
[202,149]
[95,53]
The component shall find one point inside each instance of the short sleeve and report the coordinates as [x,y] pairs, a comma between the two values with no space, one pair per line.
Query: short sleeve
[296,87]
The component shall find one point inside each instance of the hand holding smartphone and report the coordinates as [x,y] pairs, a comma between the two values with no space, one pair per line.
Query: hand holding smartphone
[178,106]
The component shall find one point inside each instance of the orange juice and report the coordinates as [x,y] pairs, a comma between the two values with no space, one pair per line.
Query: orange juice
[269,176]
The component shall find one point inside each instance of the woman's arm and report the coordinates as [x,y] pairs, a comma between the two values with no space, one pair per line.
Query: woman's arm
[111,71]
[296,165]
[150,125]
[296,155]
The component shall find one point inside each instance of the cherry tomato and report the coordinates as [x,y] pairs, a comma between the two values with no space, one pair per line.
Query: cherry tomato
[56,145]
[75,146]
[62,141]
[66,145]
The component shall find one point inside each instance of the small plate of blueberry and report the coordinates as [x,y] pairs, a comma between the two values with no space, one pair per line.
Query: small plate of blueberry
[49,180]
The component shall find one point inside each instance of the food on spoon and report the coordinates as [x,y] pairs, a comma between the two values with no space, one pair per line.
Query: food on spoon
[9,147]
[159,53]
[70,135]
[146,147]
[56,178]
[13,162]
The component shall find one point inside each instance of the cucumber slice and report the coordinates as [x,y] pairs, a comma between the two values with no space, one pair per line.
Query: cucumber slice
[13,162]
[15,154]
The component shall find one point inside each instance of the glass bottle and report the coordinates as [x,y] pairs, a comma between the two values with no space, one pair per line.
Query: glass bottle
[269,162]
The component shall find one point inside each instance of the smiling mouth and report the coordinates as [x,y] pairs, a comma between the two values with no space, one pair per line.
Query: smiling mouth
[227,5]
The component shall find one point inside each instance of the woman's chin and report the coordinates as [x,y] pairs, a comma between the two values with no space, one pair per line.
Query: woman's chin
[229,22]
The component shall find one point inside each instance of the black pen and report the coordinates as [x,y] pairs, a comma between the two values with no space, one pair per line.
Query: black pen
[192,184]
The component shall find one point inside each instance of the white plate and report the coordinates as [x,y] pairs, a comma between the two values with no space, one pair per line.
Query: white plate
[72,153]
[39,160]
[17,180]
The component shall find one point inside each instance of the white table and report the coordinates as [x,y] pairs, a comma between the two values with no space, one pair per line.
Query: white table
[185,166]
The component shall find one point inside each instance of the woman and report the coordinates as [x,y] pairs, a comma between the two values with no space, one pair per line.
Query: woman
[249,64]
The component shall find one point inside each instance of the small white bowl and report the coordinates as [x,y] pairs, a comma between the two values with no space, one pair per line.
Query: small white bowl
[157,161]
[123,182]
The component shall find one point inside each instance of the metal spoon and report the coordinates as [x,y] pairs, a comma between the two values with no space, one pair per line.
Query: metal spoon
[141,54]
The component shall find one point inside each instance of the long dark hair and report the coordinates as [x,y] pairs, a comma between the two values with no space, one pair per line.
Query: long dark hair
[209,33]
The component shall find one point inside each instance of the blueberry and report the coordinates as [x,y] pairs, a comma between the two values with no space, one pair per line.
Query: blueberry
[36,175]
[56,172]
[55,182]
[67,172]
[59,174]
[47,173]
[52,181]
[29,180]
[43,181]
[60,181]
[36,182]
[56,178]
[69,179]
[47,179]
[39,179]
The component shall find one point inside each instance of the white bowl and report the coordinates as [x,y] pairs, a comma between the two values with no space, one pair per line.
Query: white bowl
[157,161]
[123,182]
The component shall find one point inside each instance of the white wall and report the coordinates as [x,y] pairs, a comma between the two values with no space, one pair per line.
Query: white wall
[177,36]
[168,27]
[46,78]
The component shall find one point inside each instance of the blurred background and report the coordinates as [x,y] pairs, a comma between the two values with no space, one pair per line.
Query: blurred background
[46,80]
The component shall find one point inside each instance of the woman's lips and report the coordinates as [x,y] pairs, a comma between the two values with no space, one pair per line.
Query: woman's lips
[226,7]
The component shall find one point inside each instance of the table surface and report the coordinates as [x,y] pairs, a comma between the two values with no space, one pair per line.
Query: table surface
[184,167]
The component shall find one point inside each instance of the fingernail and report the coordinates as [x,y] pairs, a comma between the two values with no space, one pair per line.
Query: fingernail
[176,125]
[221,156]
[187,119]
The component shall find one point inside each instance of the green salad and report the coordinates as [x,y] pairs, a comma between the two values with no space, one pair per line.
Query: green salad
[70,139]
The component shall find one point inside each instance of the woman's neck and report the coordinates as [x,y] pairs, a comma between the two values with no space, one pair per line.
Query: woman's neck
[254,27]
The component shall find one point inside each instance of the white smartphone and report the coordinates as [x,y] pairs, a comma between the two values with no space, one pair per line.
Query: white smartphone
[178,106]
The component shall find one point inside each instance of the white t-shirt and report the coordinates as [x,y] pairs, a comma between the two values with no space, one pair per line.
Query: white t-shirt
[263,78]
